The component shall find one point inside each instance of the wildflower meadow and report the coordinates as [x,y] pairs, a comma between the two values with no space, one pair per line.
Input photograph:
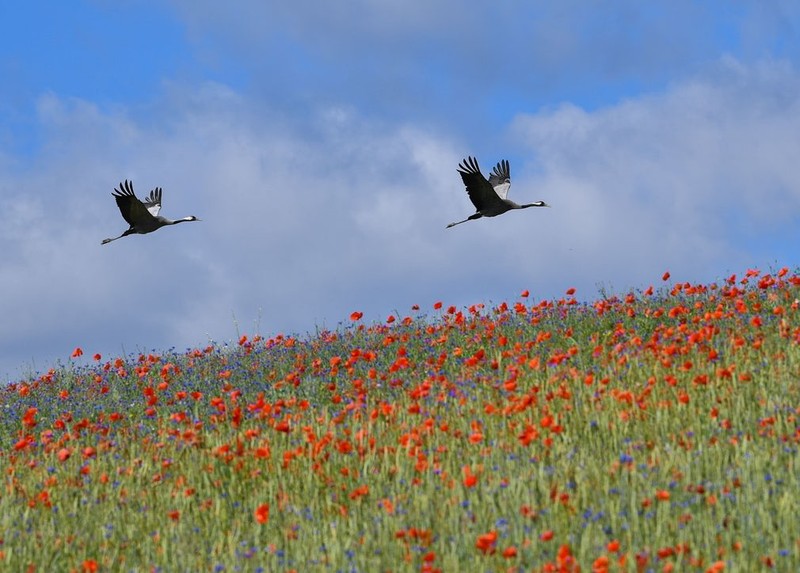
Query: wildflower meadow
[656,430]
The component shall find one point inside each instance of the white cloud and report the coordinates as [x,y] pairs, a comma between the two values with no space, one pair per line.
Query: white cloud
[454,65]
[686,179]
[306,218]
[296,229]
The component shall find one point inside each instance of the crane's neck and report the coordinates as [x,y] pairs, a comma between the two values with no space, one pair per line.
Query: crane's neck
[166,221]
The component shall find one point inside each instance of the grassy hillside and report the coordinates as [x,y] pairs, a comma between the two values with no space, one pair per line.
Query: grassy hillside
[656,431]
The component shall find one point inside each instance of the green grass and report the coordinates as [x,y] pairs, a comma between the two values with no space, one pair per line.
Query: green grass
[654,431]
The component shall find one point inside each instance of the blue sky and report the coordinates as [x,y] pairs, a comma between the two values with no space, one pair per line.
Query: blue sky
[318,143]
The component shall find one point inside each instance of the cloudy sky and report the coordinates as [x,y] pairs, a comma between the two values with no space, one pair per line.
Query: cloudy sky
[318,142]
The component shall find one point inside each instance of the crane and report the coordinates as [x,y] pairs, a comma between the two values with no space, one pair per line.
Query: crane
[142,217]
[489,196]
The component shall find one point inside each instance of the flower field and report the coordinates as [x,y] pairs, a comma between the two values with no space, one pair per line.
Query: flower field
[653,431]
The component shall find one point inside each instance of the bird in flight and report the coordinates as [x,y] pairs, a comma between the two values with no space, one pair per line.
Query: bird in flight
[142,217]
[489,196]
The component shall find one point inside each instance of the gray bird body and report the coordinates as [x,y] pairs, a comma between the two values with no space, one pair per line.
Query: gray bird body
[142,216]
[489,195]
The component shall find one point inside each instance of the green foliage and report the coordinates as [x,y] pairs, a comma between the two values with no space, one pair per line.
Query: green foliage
[656,431]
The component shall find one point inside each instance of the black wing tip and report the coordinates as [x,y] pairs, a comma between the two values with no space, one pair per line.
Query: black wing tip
[125,188]
[469,165]
[502,169]
[154,198]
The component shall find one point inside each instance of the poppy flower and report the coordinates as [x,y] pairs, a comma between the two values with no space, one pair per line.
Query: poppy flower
[486,543]
[359,492]
[470,479]
[388,505]
[262,513]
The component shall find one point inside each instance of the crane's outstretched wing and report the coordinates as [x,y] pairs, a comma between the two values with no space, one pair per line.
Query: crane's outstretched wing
[153,202]
[133,210]
[480,191]
[500,179]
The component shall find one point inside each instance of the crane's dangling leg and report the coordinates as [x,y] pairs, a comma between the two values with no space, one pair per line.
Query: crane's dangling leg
[470,218]
[105,241]
[125,234]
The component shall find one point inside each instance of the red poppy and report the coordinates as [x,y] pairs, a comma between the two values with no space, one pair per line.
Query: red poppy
[470,479]
[262,513]
[486,543]
[29,418]
[388,505]
[359,492]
